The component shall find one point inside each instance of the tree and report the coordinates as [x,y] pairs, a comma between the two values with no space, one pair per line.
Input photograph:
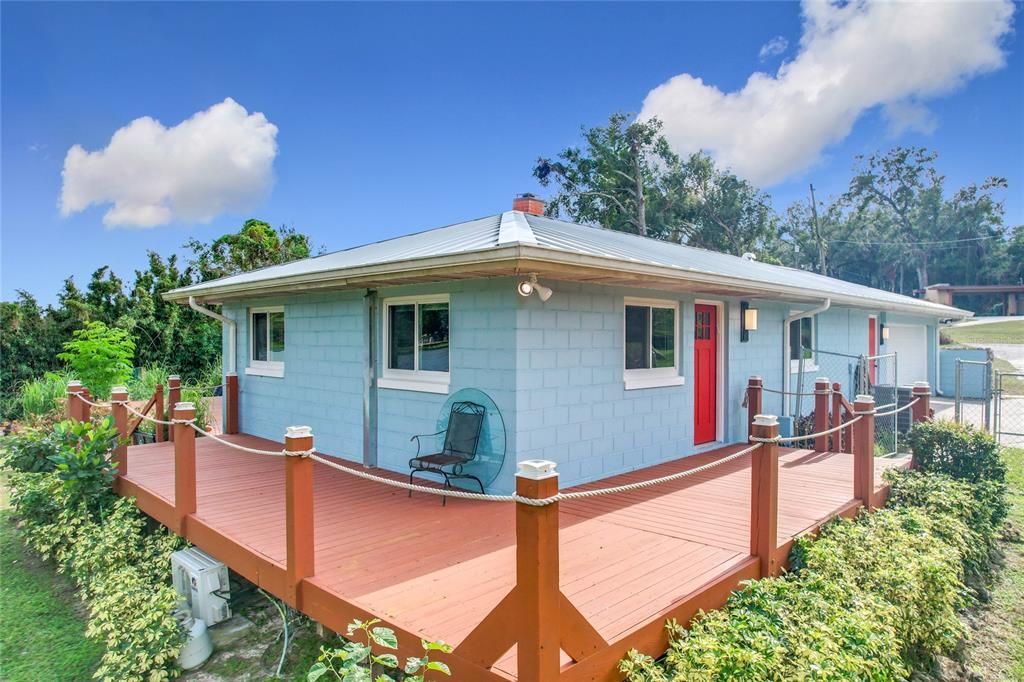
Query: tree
[100,356]
[256,245]
[610,180]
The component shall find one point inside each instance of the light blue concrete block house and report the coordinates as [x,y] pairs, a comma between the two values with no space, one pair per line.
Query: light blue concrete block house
[602,351]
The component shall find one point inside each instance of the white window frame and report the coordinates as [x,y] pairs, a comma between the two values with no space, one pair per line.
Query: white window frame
[811,363]
[264,368]
[655,377]
[417,379]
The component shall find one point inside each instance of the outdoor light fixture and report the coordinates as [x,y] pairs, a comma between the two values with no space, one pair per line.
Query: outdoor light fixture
[528,286]
[885,332]
[748,321]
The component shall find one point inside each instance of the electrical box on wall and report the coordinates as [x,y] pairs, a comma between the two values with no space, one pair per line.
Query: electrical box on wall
[202,581]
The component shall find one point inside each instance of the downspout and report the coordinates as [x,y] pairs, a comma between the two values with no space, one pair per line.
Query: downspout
[228,322]
[785,345]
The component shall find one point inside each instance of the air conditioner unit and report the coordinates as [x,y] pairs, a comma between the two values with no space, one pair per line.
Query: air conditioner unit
[202,581]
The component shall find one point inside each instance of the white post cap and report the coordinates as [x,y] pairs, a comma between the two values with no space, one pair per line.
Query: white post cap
[173,376]
[536,469]
[184,406]
[766,420]
[822,380]
[74,383]
[119,389]
[298,432]
[922,384]
[861,398]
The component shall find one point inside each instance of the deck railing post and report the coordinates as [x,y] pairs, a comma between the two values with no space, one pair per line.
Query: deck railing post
[864,451]
[921,410]
[173,397]
[160,412]
[821,394]
[118,396]
[755,397]
[764,494]
[298,474]
[73,407]
[231,403]
[837,417]
[539,657]
[85,409]
[184,466]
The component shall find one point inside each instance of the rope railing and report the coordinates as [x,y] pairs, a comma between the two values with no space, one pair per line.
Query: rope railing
[808,436]
[898,409]
[533,502]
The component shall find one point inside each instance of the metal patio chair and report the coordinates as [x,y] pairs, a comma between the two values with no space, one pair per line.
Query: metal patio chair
[461,440]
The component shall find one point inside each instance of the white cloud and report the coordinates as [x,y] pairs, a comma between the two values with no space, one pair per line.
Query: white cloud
[220,159]
[852,57]
[773,47]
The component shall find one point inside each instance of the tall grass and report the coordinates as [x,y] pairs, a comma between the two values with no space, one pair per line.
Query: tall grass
[44,395]
[142,386]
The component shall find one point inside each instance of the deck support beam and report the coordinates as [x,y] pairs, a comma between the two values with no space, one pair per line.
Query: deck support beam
[821,394]
[764,495]
[73,403]
[160,412]
[298,476]
[539,651]
[864,451]
[184,466]
[755,398]
[231,403]
[921,411]
[173,398]
[837,417]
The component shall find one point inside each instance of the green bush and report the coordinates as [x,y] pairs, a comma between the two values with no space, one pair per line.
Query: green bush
[43,396]
[83,462]
[100,357]
[122,571]
[143,386]
[958,450]
[29,450]
[355,661]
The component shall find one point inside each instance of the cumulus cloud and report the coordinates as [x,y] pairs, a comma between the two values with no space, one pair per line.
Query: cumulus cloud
[852,57]
[773,47]
[218,160]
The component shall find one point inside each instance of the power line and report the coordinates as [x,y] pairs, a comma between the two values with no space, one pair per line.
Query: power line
[905,243]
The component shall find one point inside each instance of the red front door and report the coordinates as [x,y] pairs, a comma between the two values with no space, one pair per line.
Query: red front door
[872,346]
[705,374]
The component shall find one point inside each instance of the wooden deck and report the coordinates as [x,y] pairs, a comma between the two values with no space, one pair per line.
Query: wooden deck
[628,560]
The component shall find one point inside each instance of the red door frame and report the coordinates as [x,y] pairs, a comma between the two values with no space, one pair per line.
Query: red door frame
[872,346]
[705,373]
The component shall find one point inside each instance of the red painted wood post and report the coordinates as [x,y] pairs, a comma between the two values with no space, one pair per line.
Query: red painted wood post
[118,396]
[864,451]
[837,417]
[755,397]
[821,394]
[298,475]
[921,410]
[231,398]
[184,467]
[160,412]
[173,397]
[84,408]
[539,657]
[764,495]
[74,404]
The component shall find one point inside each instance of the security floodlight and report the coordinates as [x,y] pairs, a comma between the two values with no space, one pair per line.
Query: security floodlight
[528,286]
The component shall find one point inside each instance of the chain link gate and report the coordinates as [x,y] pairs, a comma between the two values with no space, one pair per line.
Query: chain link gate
[973,393]
[1008,424]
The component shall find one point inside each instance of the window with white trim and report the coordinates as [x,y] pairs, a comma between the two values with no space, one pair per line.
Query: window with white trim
[266,342]
[801,344]
[416,344]
[651,343]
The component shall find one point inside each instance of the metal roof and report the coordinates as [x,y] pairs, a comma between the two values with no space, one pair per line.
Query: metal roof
[514,235]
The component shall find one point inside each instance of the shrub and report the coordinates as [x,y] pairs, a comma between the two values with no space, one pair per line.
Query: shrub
[356,661]
[42,396]
[959,450]
[100,356]
[29,450]
[141,387]
[122,572]
[82,461]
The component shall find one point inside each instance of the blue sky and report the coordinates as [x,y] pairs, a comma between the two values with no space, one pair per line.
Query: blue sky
[392,117]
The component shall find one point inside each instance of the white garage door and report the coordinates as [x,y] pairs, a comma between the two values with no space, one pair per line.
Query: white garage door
[910,343]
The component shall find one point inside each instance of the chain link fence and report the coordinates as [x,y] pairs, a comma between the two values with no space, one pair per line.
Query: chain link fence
[1008,418]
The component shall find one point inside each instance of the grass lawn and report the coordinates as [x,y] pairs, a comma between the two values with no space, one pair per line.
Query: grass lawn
[997,332]
[42,624]
[997,647]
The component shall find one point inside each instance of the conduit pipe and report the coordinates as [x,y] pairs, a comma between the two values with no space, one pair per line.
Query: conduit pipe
[226,321]
[786,369]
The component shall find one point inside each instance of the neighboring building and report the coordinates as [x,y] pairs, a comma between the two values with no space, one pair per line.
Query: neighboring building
[635,356]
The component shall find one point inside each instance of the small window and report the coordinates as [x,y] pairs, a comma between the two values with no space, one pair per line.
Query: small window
[801,342]
[651,348]
[266,348]
[416,341]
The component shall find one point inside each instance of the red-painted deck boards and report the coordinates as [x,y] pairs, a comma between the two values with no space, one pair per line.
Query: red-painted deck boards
[438,571]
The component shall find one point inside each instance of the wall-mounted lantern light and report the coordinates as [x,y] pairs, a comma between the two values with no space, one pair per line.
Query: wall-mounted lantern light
[885,332]
[748,321]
